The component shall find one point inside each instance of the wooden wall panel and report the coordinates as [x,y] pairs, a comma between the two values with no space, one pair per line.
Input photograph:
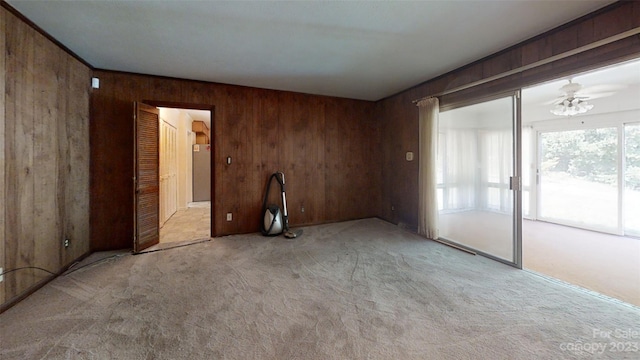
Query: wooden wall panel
[44,139]
[263,131]
[3,203]
[73,168]
[356,164]
[19,153]
[45,115]
[399,116]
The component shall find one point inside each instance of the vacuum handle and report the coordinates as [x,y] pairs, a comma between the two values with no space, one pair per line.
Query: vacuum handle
[284,204]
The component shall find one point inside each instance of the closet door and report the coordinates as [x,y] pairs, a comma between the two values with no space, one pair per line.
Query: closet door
[146,180]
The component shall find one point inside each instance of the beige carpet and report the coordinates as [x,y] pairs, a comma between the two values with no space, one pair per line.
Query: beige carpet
[355,290]
[604,263]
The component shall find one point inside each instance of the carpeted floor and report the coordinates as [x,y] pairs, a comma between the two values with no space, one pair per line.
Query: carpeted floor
[355,290]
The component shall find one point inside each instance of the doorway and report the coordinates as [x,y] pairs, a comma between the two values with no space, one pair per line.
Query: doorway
[185,174]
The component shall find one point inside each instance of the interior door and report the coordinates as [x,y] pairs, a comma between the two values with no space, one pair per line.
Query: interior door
[168,171]
[478,178]
[146,177]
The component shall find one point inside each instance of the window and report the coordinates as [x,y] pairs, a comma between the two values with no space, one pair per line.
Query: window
[579,177]
[632,179]
[590,178]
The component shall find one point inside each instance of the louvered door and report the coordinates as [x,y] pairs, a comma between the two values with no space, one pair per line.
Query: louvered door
[146,180]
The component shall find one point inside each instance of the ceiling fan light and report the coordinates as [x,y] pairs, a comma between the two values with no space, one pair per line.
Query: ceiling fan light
[572,103]
[571,107]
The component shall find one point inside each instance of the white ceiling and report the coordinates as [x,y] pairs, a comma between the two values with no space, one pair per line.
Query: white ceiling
[199,115]
[355,49]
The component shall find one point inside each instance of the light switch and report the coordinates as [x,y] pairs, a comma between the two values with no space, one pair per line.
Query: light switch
[409,156]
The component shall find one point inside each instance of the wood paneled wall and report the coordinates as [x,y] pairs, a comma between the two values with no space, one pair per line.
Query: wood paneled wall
[399,116]
[3,203]
[45,157]
[327,147]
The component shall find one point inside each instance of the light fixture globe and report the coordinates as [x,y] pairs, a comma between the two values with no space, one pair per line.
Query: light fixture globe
[571,107]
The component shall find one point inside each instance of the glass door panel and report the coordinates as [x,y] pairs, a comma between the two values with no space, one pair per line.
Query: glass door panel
[579,178]
[476,163]
[632,179]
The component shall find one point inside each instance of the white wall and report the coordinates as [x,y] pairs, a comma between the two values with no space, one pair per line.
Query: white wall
[185,186]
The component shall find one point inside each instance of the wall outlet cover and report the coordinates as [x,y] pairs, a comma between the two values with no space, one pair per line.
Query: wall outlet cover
[409,156]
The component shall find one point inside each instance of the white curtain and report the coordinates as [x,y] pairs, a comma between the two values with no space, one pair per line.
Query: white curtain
[461,164]
[428,110]
[496,155]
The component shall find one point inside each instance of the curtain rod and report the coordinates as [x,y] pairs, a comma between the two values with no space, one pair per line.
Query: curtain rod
[623,35]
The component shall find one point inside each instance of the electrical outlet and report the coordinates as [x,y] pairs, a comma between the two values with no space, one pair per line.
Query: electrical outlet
[229,216]
[1,275]
[66,243]
[302,209]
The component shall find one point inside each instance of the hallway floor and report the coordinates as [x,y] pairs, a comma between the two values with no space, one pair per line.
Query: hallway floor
[192,223]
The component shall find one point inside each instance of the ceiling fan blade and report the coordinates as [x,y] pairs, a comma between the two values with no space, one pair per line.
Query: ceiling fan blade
[600,95]
[605,88]
[557,100]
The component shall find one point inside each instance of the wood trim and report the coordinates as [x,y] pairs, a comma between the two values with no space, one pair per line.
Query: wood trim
[179,105]
[37,28]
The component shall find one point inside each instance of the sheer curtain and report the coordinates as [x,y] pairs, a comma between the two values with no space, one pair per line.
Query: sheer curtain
[428,110]
[460,169]
[495,153]
[476,170]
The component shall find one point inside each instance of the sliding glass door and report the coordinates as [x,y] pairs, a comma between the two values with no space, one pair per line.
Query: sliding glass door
[579,178]
[476,171]
[632,179]
[590,178]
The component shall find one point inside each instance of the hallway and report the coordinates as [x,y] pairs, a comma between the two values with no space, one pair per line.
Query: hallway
[192,223]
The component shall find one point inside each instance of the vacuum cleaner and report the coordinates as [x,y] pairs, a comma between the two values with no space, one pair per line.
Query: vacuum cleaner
[276,222]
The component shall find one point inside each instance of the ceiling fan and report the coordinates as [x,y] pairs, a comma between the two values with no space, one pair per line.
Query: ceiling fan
[573,101]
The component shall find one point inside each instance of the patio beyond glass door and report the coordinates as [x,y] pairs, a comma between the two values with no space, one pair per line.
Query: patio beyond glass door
[578,181]
[476,164]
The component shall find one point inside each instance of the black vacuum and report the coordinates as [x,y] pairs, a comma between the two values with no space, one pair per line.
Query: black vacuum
[275,221]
